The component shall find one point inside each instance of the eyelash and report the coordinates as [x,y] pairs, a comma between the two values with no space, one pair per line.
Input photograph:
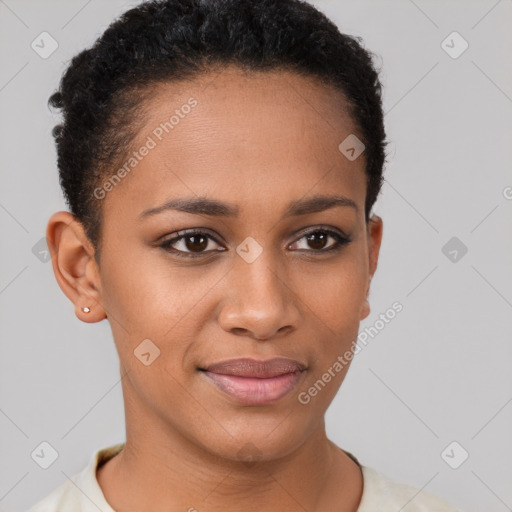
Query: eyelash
[166,245]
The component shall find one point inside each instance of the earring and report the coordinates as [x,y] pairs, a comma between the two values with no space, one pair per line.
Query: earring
[86,309]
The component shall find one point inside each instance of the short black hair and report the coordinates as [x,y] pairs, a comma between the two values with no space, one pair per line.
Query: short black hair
[102,91]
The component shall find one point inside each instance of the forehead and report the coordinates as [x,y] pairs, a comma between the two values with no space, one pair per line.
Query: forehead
[245,132]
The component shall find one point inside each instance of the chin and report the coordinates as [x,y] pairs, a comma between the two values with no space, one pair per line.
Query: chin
[256,446]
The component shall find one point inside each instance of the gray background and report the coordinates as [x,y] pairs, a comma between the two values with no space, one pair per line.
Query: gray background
[439,372]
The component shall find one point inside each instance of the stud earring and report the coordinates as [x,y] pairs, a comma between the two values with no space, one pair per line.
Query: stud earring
[86,309]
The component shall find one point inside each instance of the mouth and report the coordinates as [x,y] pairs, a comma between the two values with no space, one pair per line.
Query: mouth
[253,382]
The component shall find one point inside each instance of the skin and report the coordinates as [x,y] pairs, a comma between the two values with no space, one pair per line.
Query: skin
[256,141]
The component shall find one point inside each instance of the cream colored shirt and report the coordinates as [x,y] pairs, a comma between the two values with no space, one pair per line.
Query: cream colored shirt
[380,494]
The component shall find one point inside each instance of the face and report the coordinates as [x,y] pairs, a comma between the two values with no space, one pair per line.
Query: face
[238,234]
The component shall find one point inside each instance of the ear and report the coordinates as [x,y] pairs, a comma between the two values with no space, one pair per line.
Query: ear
[74,265]
[374,239]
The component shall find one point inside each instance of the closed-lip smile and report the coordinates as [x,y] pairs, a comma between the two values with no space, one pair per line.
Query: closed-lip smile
[255,382]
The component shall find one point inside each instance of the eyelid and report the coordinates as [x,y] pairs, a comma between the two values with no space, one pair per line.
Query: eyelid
[189,231]
[321,227]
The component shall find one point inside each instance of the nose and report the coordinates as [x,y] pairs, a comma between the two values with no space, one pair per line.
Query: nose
[259,302]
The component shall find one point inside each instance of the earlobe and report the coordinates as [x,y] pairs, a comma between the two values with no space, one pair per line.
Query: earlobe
[74,265]
[365,308]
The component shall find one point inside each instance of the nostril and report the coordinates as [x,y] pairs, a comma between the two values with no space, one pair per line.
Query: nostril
[239,330]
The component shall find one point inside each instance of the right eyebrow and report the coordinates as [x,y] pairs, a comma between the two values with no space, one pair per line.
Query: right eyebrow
[197,206]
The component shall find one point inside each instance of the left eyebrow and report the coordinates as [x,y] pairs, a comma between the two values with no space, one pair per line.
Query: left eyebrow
[205,206]
[318,204]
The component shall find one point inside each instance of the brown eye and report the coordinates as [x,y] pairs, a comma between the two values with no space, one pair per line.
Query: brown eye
[318,241]
[194,243]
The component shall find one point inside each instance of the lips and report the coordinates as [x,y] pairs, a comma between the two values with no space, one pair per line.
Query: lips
[254,382]
[257,369]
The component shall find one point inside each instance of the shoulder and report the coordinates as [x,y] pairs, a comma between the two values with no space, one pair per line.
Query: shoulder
[381,494]
[64,498]
[81,492]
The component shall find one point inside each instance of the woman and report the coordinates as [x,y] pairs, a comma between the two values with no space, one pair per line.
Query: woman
[220,160]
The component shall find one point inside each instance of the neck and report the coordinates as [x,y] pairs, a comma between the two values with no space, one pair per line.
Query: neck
[181,475]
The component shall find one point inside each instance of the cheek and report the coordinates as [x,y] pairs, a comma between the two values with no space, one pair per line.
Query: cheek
[147,298]
[335,295]
[146,293]
[336,303]
[342,301]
